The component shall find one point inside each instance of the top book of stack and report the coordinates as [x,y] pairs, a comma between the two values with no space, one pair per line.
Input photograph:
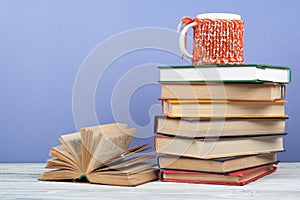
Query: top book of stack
[249,73]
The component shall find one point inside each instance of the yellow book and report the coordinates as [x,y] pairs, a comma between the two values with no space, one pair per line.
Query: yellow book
[218,147]
[230,91]
[223,108]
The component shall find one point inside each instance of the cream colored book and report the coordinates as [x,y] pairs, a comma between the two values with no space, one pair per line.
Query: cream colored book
[219,165]
[218,127]
[223,108]
[218,147]
[100,155]
[229,91]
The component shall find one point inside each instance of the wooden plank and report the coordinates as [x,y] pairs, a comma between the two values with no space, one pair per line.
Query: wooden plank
[20,181]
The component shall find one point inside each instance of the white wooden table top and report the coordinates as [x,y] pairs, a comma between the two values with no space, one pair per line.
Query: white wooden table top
[19,181]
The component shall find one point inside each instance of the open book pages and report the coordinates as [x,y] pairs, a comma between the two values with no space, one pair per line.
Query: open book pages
[100,154]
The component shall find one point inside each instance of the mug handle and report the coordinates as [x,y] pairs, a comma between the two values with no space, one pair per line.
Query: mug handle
[182,36]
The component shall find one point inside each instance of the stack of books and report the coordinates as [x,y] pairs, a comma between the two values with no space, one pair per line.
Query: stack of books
[221,124]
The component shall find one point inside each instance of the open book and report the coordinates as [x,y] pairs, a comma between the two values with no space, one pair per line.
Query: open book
[100,155]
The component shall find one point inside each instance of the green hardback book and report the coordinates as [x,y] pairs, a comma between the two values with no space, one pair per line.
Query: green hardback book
[250,73]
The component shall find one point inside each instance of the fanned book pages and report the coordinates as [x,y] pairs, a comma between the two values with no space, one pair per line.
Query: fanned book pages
[100,155]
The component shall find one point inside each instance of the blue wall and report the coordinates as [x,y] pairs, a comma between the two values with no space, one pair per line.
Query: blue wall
[44,42]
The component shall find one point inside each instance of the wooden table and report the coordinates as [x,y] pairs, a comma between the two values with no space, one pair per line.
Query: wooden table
[19,181]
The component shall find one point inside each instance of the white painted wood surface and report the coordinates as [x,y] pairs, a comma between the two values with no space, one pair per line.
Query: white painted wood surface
[19,181]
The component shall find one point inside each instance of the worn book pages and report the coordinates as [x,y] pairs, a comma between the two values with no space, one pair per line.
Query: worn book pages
[100,154]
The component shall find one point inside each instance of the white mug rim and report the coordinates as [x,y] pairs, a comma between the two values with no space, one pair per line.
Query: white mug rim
[214,16]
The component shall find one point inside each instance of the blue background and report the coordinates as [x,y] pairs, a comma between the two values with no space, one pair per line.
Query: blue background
[43,43]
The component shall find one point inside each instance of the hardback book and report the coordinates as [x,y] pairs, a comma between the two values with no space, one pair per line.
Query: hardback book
[209,148]
[100,155]
[229,91]
[252,73]
[218,165]
[223,108]
[238,178]
[218,127]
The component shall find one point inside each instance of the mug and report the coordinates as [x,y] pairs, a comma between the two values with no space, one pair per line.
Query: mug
[218,38]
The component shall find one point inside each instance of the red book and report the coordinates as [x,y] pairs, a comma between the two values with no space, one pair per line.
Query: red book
[242,177]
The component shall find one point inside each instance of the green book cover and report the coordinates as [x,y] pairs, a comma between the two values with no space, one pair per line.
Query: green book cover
[263,66]
[228,65]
